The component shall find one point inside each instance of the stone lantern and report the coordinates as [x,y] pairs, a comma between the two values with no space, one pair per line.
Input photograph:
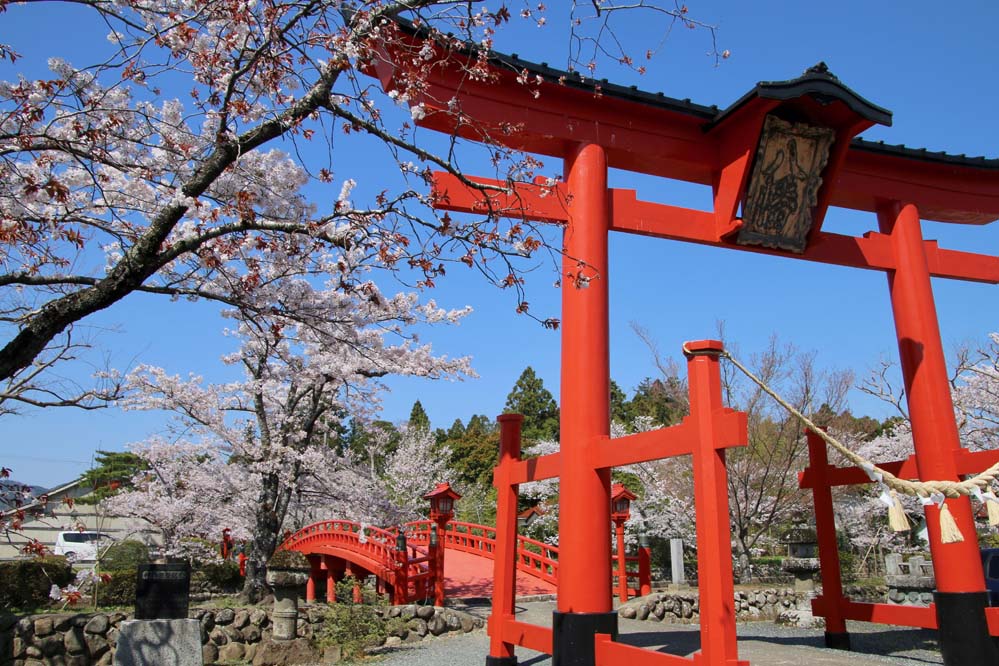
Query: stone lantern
[801,561]
[287,572]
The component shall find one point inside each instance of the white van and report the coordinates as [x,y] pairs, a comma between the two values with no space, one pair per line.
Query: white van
[79,546]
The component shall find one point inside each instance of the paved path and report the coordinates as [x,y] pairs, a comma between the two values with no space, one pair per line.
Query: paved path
[469,575]
[762,643]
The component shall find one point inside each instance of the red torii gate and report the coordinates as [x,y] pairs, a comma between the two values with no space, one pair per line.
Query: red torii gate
[784,153]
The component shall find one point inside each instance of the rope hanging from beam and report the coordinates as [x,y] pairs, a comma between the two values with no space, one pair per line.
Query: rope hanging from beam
[928,492]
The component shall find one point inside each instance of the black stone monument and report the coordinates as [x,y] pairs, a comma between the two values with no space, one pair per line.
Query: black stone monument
[162,591]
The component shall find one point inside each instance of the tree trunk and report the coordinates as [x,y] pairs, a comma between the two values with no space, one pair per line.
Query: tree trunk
[266,527]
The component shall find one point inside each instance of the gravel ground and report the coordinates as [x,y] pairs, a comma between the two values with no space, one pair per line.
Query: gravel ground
[762,643]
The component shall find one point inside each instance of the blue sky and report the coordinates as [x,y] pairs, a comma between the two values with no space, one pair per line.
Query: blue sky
[934,67]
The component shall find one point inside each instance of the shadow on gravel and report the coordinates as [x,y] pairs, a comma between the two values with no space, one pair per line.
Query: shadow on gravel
[680,643]
[887,642]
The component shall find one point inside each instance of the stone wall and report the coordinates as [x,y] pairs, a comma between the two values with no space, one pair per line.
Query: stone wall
[683,607]
[227,634]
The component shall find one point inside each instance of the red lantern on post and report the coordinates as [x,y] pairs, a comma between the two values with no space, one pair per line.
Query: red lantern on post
[442,499]
[621,499]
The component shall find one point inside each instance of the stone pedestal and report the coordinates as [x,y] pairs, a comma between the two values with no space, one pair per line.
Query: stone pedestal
[159,642]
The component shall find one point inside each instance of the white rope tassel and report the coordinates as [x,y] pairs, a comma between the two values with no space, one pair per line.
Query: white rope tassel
[897,519]
[949,532]
[992,506]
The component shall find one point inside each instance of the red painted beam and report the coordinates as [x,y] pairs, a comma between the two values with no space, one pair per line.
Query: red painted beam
[992,617]
[526,635]
[536,469]
[902,615]
[677,440]
[873,251]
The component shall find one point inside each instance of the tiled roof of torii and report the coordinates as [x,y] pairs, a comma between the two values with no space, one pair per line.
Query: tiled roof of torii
[816,81]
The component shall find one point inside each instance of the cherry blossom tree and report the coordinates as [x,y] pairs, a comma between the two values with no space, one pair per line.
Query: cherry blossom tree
[185,158]
[975,394]
[189,493]
[275,425]
[414,468]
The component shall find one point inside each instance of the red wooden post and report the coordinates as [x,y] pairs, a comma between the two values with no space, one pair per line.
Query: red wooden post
[622,563]
[644,566]
[314,574]
[330,579]
[825,529]
[357,572]
[960,596]
[714,545]
[584,588]
[436,554]
[502,653]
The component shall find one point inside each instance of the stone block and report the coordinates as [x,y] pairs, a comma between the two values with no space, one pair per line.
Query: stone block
[250,633]
[44,626]
[73,641]
[424,612]
[98,624]
[160,642]
[279,653]
[418,626]
[436,625]
[225,616]
[96,644]
[232,652]
[50,645]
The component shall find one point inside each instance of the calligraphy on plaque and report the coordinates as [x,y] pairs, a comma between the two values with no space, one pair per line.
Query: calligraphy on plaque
[783,184]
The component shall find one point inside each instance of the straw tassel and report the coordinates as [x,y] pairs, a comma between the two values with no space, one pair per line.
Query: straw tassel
[949,532]
[992,505]
[897,519]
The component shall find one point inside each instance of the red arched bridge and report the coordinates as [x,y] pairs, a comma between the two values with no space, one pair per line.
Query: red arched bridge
[410,564]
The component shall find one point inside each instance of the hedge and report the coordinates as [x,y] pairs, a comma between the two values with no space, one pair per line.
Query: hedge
[25,584]
[120,590]
[128,554]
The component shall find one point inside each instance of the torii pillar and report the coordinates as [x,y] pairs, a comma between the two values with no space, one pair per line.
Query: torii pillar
[960,595]
[584,588]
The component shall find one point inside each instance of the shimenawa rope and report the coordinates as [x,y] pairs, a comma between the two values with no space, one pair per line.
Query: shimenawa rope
[928,492]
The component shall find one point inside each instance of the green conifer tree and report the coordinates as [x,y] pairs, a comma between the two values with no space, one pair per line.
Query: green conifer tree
[530,398]
[418,417]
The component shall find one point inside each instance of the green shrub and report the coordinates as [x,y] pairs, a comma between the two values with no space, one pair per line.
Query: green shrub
[119,590]
[125,555]
[345,592]
[25,584]
[848,566]
[220,576]
[354,627]
[289,559]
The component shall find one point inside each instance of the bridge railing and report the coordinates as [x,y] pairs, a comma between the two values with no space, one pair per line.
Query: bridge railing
[533,557]
[374,543]
[377,546]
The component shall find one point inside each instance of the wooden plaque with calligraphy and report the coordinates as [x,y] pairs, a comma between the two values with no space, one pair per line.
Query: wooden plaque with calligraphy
[785,179]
